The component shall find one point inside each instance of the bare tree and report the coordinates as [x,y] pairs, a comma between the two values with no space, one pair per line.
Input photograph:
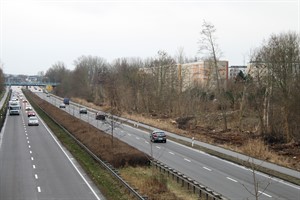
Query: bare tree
[279,60]
[209,47]
[58,73]
[2,80]
[259,186]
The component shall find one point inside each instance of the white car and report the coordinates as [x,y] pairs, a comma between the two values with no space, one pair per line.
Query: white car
[28,108]
[62,105]
[33,121]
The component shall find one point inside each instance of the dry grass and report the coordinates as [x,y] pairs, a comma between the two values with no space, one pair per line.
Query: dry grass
[257,149]
[155,185]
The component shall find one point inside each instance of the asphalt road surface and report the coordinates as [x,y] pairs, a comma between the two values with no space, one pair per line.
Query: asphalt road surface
[33,165]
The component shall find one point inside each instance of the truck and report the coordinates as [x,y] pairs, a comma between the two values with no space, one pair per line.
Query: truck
[66,101]
[14,107]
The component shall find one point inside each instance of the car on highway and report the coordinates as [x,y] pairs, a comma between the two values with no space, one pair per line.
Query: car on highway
[100,116]
[30,113]
[158,136]
[33,121]
[82,111]
[62,105]
[28,108]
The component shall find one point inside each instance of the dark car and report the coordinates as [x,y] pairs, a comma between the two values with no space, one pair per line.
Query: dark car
[82,111]
[158,136]
[100,116]
[66,101]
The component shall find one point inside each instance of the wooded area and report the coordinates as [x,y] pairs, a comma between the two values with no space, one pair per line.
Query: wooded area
[266,104]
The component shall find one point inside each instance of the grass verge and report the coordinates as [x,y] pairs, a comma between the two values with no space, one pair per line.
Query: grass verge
[158,184]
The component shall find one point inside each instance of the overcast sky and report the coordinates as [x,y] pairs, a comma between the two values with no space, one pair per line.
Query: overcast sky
[37,34]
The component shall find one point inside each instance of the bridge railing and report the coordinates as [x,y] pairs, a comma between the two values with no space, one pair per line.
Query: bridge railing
[30,83]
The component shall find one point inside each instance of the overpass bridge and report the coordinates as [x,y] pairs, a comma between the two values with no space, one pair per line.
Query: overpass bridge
[43,84]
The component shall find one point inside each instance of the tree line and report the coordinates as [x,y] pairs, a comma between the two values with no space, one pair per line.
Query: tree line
[2,80]
[151,86]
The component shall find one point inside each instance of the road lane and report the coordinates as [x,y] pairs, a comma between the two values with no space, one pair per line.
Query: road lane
[16,180]
[34,166]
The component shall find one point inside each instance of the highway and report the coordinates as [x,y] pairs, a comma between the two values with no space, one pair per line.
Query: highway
[231,180]
[34,165]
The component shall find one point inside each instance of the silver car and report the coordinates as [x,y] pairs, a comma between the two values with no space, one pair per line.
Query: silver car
[33,121]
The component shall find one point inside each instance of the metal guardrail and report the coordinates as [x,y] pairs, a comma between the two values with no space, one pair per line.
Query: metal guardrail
[104,164]
[203,191]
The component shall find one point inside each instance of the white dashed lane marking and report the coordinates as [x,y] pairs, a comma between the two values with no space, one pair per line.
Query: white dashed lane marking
[171,153]
[187,160]
[265,194]
[207,169]
[232,179]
